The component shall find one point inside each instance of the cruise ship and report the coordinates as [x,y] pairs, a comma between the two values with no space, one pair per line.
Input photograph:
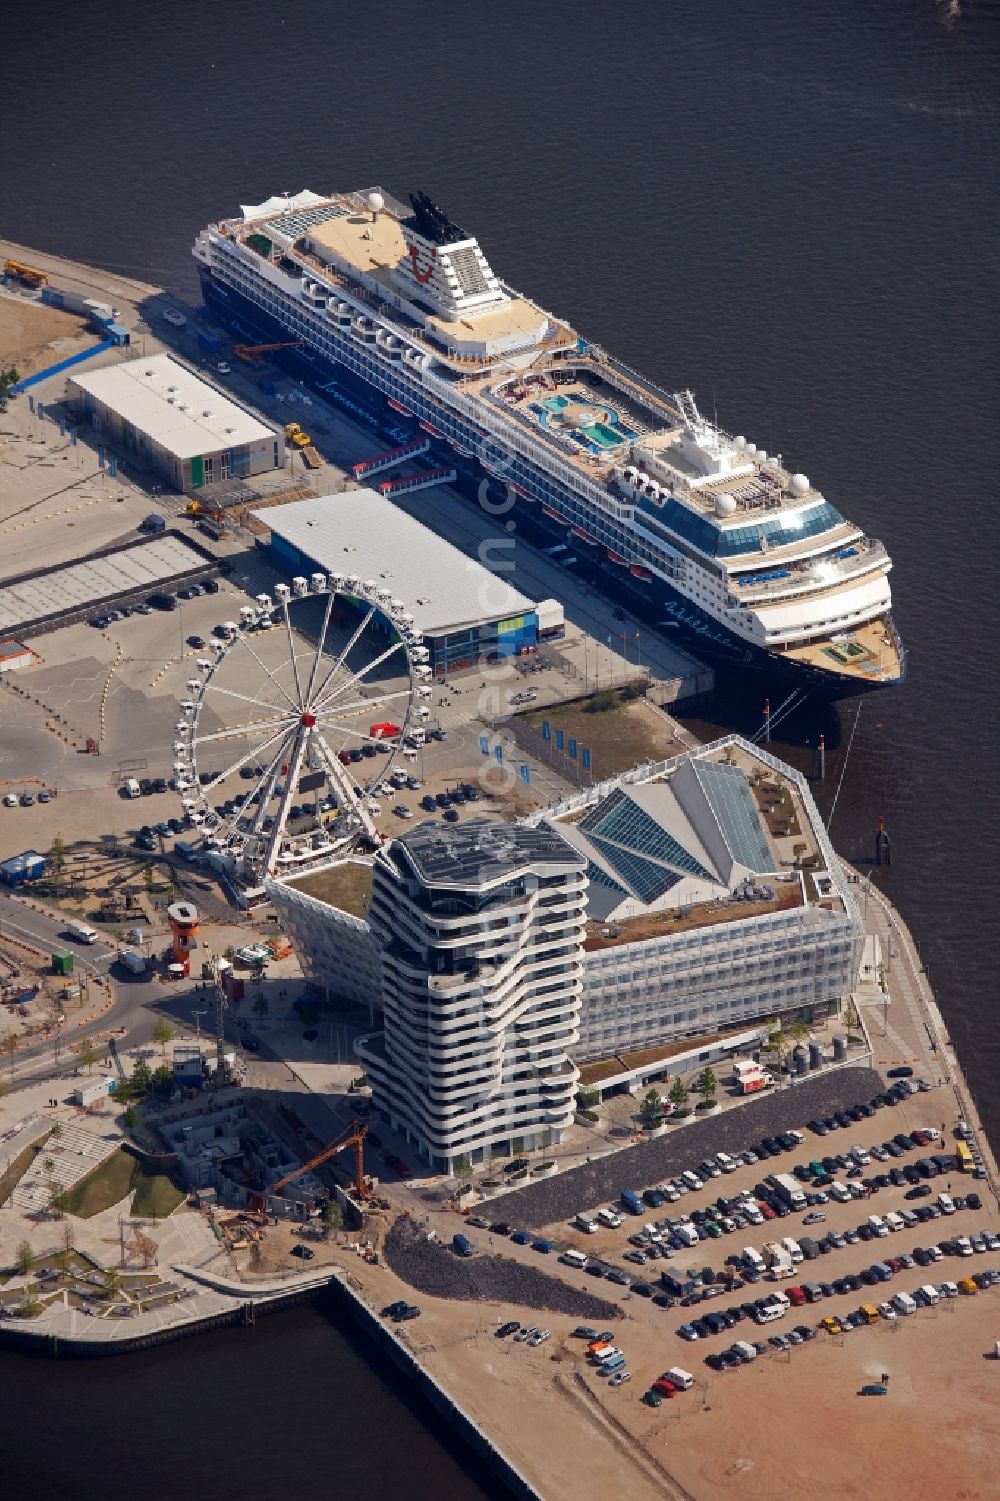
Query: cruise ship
[397,312]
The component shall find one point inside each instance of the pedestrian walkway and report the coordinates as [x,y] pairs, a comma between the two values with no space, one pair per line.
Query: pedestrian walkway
[908,1027]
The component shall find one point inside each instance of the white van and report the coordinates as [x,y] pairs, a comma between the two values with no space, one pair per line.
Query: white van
[895,1221]
[131,788]
[726,1162]
[574,1258]
[687,1233]
[754,1260]
[904,1304]
[879,1226]
[840,1192]
[692,1180]
[585,1223]
[610,1217]
[793,1248]
[861,1157]
[81,932]
[680,1378]
[931,1293]
[946,1203]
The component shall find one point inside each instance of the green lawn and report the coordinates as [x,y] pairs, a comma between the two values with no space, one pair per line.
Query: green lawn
[156,1194]
[12,1175]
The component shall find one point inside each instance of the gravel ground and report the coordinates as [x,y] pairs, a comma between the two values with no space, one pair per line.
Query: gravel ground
[595,1183]
[431,1267]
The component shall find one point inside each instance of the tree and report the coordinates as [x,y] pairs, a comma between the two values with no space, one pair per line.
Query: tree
[23,1257]
[778,1043]
[48,1166]
[706,1084]
[57,858]
[462,1166]
[163,1079]
[88,1053]
[162,1033]
[58,1199]
[678,1094]
[141,1077]
[651,1107]
[333,1217]
[799,1030]
[130,1117]
[586,1099]
[147,879]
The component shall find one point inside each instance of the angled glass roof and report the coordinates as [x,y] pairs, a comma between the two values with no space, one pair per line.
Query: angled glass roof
[647,879]
[620,819]
[732,802]
[599,877]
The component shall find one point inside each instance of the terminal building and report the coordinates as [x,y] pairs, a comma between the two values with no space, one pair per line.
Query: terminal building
[164,417]
[713,899]
[465,613]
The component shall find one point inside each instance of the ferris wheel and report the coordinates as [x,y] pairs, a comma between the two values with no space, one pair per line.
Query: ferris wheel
[295,720]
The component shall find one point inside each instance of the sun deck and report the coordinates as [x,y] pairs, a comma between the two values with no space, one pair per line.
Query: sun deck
[870,652]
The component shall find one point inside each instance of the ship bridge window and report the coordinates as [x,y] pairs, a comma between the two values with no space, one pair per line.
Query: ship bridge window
[733,541]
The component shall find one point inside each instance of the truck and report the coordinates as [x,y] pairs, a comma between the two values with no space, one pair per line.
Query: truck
[81,931]
[131,788]
[133,962]
[753,1083]
[779,1263]
[788,1189]
[632,1202]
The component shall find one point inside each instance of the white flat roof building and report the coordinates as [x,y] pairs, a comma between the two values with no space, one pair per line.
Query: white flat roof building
[172,406]
[361,532]
[166,417]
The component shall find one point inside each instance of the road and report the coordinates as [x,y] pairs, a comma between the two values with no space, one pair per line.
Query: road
[130,1008]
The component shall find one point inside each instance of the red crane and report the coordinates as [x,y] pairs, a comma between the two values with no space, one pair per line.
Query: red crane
[354,1136]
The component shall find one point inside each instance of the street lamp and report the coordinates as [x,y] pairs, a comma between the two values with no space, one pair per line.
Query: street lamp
[197,1027]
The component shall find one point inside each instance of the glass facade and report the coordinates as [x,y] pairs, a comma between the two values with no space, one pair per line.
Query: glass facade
[731,542]
[643,994]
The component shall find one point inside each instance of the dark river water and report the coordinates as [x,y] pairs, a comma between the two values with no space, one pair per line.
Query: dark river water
[792,209]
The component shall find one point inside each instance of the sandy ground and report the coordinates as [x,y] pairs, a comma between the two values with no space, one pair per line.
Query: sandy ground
[33,335]
[933,1436]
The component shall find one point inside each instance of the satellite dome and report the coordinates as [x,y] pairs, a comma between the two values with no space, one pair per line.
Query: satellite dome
[725,505]
[799,484]
[376,202]
[741,442]
[762,455]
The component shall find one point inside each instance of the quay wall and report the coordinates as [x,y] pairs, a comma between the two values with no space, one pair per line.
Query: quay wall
[443,1402]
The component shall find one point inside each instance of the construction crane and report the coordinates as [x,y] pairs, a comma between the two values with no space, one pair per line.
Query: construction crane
[354,1137]
[250,352]
[219,969]
[30,275]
